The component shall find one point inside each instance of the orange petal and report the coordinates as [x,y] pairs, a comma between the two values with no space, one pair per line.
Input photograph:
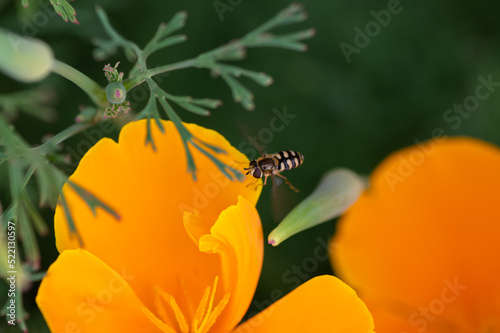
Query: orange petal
[388,321]
[82,294]
[322,304]
[237,238]
[424,235]
[151,190]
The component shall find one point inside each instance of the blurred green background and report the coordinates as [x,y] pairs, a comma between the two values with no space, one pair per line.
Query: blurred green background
[394,92]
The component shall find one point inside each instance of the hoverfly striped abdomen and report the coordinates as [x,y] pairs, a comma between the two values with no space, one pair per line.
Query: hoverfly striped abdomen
[288,159]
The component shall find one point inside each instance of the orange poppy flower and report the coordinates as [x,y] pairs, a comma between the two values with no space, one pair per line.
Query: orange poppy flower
[421,245]
[184,257]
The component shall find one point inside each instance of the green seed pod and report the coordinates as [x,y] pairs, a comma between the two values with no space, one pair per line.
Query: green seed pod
[116,93]
[336,192]
[24,59]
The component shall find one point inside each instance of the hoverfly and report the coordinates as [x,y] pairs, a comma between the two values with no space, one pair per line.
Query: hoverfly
[274,164]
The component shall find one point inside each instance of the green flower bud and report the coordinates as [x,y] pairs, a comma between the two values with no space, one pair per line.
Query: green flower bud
[116,93]
[24,59]
[336,192]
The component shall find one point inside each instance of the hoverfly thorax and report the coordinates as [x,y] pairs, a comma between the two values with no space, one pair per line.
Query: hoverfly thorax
[267,164]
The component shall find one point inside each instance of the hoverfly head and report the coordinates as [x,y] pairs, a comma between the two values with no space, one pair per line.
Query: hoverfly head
[253,169]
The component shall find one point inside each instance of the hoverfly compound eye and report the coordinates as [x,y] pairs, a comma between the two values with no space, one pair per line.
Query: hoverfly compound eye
[256,173]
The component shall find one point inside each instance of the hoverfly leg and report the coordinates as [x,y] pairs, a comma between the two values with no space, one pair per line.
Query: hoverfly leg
[256,185]
[288,182]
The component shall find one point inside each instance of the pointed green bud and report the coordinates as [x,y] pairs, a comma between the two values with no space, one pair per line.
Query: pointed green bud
[24,59]
[336,192]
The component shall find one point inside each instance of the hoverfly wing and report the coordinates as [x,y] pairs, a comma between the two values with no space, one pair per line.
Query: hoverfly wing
[277,182]
[259,150]
[282,199]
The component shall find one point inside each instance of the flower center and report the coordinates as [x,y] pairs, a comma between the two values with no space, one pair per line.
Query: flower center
[206,313]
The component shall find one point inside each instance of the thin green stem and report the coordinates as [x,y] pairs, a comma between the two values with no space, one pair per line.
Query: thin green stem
[69,132]
[89,86]
[11,140]
[142,76]
[38,276]
[119,39]
[107,26]
[62,136]
[20,313]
